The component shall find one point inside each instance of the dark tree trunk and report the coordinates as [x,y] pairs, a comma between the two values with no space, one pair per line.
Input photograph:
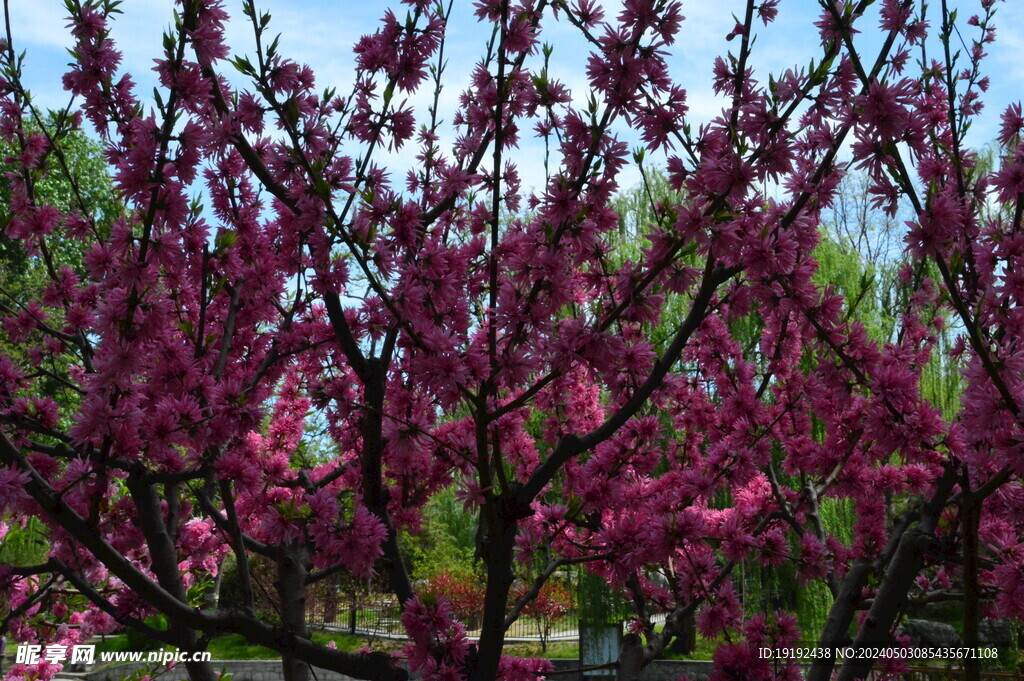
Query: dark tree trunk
[497,554]
[164,563]
[330,603]
[631,659]
[971,517]
[889,601]
[375,494]
[901,569]
[291,592]
[685,641]
[840,616]
[891,598]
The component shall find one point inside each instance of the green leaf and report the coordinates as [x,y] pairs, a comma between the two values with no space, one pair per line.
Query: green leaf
[291,111]
[225,239]
[243,65]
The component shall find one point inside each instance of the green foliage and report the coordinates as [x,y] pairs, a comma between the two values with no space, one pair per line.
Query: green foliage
[860,282]
[704,650]
[262,572]
[24,546]
[857,259]
[837,517]
[563,650]
[229,646]
[598,604]
[134,640]
[813,604]
[941,382]
[89,184]
[814,600]
[639,208]
[447,541]
[767,588]
[856,256]
[234,646]
[78,182]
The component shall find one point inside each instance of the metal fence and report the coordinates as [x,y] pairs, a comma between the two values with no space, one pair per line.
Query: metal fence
[382,618]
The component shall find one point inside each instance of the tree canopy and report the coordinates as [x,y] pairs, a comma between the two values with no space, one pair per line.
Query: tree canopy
[281,351]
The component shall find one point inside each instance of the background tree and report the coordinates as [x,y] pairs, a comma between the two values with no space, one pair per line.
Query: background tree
[23,277]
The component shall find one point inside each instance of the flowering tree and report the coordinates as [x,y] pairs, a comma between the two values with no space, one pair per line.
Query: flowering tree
[463,593]
[551,605]
[452,329]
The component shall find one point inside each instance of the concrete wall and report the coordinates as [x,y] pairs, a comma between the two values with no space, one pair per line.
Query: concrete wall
[659,670]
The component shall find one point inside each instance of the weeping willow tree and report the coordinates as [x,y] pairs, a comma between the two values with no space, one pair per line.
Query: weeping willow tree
[23,545]
[598,603]
[815,600]
[858,258]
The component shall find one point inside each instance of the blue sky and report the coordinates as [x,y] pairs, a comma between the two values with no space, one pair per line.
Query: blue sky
[321,33]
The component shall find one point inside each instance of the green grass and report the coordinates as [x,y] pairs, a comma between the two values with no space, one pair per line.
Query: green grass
[556,649]
[703,650]
[234,647]
[115,644]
